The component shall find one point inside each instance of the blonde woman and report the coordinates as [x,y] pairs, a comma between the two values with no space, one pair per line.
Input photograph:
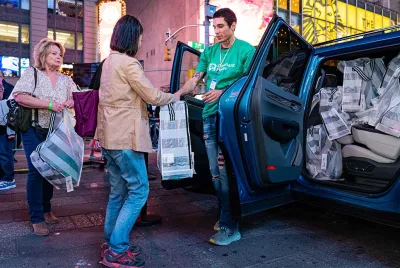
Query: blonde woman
[53,92]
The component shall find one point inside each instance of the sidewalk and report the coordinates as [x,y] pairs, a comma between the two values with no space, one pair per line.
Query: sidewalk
[291,236]
[76,240]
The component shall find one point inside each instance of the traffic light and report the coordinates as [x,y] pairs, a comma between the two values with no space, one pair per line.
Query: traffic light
[167,53]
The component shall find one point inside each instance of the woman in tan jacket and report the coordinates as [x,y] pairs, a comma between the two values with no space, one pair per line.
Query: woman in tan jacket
[123,132]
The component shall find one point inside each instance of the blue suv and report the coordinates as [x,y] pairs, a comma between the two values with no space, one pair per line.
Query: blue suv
[264,122]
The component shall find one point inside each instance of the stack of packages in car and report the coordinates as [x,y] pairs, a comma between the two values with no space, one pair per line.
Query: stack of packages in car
[175,157]
[370,95]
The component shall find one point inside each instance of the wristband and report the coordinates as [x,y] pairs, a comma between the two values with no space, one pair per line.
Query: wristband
[50,107]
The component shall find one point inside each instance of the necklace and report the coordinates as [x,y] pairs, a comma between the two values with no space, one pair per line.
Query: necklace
[221,60]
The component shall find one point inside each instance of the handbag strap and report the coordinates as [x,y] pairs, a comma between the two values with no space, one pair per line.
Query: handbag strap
[36,111]
[171,112]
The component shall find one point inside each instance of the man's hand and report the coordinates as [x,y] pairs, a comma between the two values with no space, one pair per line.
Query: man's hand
[212,96]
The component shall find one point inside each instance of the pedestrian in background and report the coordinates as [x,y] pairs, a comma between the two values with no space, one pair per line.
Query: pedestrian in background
[123,132]
[7,142]
[53,92]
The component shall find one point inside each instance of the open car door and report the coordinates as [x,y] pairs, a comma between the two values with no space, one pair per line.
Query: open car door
[185,62]
[270,112]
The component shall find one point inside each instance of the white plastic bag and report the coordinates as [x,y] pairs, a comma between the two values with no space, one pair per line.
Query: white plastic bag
[175,157]
[387,101]
[59,159]
[330,110]
[324,157]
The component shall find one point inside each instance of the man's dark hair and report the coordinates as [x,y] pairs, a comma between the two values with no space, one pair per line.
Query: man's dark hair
[227,14]
[126,34]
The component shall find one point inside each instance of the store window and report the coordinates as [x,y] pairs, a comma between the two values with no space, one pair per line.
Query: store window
[9,66]
[283,4]
[284,14]
[79,41]
[9,3]
[9,31]
[25,4]
[66,8]
[50,34]
[295,22]
[25,34]
[79,11]
[24,64]
[66,38]
[296,6]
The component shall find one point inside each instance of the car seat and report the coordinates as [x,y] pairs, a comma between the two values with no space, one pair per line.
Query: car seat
[374,158]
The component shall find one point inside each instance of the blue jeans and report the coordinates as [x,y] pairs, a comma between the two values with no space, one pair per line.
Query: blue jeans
[39,191]
[218,172]
[129,191]
[6,158]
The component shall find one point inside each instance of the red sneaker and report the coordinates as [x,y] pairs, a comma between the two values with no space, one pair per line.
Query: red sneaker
[134,250]
[123,260]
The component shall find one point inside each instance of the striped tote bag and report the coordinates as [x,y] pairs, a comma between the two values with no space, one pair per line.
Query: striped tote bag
[59,159]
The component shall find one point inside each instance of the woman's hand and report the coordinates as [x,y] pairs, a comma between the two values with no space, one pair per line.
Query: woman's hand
[177,96]
[69,103]
[57,107]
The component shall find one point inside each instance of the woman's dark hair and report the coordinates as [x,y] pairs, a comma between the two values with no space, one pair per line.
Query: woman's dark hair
[227,14]
[126,34]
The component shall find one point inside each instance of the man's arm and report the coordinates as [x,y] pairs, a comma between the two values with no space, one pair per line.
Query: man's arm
[191,84]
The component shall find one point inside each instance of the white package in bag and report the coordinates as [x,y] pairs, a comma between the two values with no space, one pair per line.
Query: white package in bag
[175,157]
[329,108]
[324,157]
[387,102]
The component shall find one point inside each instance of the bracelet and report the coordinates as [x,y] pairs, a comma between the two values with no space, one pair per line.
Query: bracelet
[50,107]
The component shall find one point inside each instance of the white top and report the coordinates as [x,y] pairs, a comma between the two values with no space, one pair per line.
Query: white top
[44,90]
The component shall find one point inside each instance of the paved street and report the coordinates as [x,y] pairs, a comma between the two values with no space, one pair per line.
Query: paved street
[292,236]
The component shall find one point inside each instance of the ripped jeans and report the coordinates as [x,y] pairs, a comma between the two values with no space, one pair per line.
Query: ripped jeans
[218,172]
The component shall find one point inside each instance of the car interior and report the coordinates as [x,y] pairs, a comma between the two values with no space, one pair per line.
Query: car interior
[344,149]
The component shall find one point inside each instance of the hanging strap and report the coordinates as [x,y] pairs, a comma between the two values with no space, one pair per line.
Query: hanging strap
[35,111]
[171,112]
[51,128]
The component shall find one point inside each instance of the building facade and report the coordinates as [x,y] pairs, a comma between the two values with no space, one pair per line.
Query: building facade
[75,23]
[316,20]
[23,23]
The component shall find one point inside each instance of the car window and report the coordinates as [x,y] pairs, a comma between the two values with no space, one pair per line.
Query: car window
[286,60]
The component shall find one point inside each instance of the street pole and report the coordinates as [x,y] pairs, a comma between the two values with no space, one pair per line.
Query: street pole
[206,25]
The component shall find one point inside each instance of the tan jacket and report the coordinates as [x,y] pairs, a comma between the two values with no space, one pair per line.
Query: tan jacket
[122,119]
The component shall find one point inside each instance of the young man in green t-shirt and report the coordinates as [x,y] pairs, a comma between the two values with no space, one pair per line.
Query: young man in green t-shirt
[224,63]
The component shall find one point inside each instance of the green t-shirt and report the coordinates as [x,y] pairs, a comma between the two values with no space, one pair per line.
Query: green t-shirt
[235,62]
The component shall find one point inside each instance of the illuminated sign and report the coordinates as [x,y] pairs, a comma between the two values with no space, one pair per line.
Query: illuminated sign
[253,17]
[109,14]
[319,23]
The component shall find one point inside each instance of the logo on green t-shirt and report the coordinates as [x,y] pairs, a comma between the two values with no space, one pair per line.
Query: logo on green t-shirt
[235,62]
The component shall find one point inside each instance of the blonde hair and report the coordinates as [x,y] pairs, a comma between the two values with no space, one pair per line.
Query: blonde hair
[43,49]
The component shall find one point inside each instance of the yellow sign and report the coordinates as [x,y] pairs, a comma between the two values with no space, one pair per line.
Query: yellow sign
[319,23]
[109,13]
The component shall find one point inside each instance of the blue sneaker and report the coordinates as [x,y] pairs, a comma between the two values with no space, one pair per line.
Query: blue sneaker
[225,236]
[5,185]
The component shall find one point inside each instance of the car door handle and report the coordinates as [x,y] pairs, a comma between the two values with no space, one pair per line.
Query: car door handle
[279,129]
[285,102]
